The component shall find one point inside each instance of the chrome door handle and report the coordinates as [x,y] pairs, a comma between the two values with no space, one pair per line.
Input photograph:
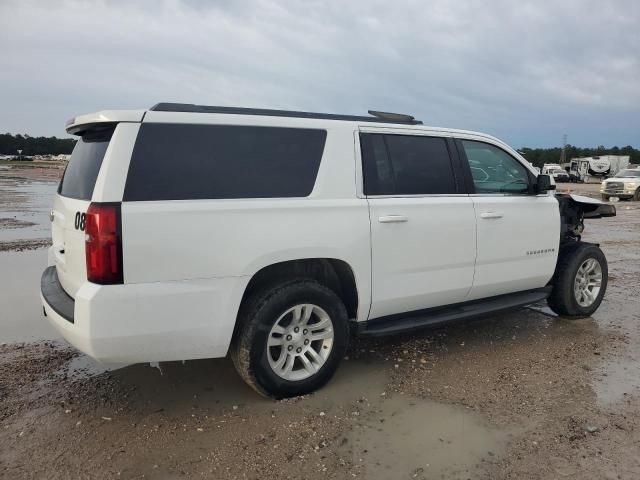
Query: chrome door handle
[393,219]
[491,215]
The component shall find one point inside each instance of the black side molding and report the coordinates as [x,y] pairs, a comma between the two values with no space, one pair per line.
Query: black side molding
[430,317]
[55,296]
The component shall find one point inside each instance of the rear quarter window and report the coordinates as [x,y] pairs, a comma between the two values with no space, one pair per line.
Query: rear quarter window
[80,176]
[181,162]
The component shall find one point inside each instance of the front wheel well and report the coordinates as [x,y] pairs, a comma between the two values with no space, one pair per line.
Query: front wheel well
[330,272]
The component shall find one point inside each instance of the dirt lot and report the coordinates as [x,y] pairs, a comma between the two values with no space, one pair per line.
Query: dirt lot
[519,395]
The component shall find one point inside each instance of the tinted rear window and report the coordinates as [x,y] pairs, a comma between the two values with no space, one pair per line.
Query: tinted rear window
[81,173]
[180,162]
[406,165]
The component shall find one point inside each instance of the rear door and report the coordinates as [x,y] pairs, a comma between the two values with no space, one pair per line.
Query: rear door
[70,205]
[518,231]
[422,223]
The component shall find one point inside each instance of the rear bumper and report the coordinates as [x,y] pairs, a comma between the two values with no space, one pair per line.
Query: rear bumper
[54,295]
[148,322]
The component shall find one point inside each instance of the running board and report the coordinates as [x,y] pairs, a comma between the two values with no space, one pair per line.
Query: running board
[430,317]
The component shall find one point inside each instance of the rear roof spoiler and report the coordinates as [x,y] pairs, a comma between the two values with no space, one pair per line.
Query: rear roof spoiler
[82,123]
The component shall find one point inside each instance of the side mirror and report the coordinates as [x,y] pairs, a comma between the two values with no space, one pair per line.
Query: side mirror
[544,184]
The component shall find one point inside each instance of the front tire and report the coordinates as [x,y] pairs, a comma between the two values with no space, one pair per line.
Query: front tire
[605,197]
[580,281]
[636,196]
[291,338]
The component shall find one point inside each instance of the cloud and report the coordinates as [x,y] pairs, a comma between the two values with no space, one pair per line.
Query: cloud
[526,71]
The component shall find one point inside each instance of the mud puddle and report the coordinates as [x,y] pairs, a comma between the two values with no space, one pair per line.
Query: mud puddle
[198,418]
[174,387]
[407,437]
[21,317]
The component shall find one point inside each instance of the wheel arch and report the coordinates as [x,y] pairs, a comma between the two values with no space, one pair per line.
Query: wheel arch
[333,273]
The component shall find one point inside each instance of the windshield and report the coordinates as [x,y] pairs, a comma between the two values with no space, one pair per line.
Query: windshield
[628,173]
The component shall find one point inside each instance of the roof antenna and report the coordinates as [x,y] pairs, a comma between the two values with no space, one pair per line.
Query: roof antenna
[394,117]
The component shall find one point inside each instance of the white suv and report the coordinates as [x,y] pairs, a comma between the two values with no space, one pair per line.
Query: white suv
[188,232]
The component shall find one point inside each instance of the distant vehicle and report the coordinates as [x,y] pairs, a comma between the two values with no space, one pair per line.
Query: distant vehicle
[559,174]
[598,166]
[625,185]
[578,170]
[189,231]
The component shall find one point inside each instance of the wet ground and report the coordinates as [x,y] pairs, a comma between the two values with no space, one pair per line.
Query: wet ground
[21,314]
[25,202]
[517,395]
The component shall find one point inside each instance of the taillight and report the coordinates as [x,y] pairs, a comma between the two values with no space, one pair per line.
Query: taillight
[103,243]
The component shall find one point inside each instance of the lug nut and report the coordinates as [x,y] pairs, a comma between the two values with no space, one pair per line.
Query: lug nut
[298,349]
[305,331]
[290,347]
[296,329]
[289,337]
[306,342]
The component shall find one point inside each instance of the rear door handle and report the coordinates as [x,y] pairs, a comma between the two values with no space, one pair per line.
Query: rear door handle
[393,219]
[491,215]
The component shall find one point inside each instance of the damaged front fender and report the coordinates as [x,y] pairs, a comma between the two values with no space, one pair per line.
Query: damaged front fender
[574,209]
[592,207]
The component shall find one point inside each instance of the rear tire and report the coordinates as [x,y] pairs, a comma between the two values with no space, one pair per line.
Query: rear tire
[277,361]
[580,281]
[605,197]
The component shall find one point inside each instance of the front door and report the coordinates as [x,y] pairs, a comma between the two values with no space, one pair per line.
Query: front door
[518,231]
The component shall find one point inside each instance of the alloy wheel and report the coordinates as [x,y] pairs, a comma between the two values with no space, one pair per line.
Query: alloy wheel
[588,282]
[300,342]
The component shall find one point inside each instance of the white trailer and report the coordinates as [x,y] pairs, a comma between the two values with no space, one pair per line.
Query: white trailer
[618,162]
[601,166]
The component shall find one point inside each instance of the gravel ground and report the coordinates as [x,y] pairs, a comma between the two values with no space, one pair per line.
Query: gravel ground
[523,395]
[9,223]
[24,245]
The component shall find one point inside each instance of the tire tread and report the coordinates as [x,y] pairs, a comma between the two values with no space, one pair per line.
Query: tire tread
[561,300]
[248,319]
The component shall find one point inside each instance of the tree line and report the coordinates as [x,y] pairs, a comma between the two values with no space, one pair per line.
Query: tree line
[10,144]
[539,156]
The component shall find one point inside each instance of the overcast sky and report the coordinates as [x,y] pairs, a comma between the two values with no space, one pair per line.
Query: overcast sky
[525,71]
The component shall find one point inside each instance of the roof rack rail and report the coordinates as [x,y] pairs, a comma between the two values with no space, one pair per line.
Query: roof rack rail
[382,117]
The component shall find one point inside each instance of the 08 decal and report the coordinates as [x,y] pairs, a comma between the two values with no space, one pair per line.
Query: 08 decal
[79,221]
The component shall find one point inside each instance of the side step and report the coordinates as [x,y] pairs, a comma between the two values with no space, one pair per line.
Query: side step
[430,317]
